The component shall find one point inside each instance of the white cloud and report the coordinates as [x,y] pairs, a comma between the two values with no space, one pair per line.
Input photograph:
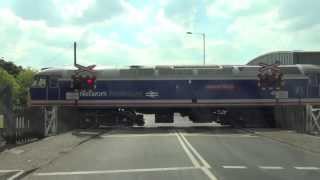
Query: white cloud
[135,16]
[227,8]
[100,10]
[122,33]
[72,9]
[299,14]
[255,32]
[37,10]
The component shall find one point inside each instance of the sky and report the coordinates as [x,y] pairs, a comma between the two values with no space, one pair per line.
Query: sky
[40,33]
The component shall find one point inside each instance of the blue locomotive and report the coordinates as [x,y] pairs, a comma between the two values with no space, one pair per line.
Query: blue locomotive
[200,92]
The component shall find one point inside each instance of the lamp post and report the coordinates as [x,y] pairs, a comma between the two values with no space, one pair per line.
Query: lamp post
[204,44]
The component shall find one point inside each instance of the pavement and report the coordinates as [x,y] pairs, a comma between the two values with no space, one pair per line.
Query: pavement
[23,159]
[209,152]
[307,142]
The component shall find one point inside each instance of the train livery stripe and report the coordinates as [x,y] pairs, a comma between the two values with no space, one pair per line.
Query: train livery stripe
[177,103]
[132,101]
[287,77]
[223,101]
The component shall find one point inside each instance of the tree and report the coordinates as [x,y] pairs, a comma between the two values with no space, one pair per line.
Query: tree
[25,79]
[18,79]
[8,80]
[10,67]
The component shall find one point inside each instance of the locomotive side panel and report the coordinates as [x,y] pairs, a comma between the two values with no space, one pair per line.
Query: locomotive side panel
[221,92]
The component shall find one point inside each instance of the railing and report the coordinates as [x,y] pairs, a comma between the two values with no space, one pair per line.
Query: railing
[23,125]
[313,119]
[23,131]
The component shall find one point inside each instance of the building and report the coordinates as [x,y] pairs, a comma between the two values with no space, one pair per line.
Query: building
[288,57]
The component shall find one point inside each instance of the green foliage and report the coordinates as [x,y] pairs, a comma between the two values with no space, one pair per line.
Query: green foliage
[10,67]
[25,79]
[18,79]
[7,79]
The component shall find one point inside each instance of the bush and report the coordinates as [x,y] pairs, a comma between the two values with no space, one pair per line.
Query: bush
[19,85]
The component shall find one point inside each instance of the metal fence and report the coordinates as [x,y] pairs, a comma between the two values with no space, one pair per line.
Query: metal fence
[18,124]
[313,119]
[26,125]
[22,124]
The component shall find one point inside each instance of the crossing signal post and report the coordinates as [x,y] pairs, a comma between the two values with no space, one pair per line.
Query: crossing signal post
[76,82]
[84,83]
[84,78]
[270,77]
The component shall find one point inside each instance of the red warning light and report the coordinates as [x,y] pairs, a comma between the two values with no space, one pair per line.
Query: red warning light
[90,81]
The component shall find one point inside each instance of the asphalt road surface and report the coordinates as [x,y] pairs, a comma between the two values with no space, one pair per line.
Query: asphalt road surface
[182,153]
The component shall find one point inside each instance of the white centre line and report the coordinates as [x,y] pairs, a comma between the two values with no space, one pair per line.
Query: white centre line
[223,135]
[307,168]
[210,175]
[114,171]
[206,166]
[271,167]
[136,135]
[235,167]
[203,161]
[189,154]
[18,173]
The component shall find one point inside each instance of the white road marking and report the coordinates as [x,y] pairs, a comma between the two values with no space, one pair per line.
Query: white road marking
[189,154]
[137,135]
[88,133]
[203,161]
[235,167]
[9,171]
[271,167]
[18,173]
[222,135]
[307,168]
[206,166]
[210,175]
[114,171]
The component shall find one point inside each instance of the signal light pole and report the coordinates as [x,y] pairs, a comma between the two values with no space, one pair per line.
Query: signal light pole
[204,44]
[75,53]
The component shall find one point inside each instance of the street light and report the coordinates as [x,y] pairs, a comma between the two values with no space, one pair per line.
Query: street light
[204,45]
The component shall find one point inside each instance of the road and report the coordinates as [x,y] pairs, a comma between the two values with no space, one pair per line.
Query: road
[182,153]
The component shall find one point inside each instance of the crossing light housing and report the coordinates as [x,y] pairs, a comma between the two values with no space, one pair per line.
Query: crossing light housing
[83,83]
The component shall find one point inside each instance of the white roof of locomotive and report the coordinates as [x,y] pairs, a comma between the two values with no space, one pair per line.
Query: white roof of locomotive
[176,72]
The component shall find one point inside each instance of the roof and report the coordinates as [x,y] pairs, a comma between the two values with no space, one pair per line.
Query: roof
[288,57]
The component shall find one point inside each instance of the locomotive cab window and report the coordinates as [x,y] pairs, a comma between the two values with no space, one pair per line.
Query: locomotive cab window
[39,82]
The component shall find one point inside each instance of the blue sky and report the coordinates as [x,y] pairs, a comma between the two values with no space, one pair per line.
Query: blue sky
[40,33]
